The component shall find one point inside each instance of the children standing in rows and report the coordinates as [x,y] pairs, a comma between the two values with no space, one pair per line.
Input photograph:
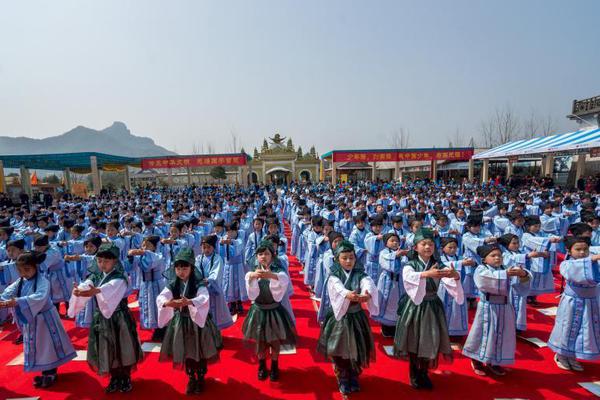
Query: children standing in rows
[492,339]
[192,339]
[575,334]
[345,335]
[268,324]
[46,344]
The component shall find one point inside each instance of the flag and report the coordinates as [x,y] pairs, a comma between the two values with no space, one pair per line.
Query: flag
[34,178]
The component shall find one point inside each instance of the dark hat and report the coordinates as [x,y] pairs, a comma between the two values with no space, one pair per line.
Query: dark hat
[343,247]
[316,220]
[265,245]
[19,243]
[447,240]
[334,235]
[484,250]
[219,222]
[579,228]
[570,241]
[505,239]
[423,234]
[40,240]
[376,220]
[95,240]
[154,239]
[108,250]
[532,220]
[397,218]
[210,240]
[31,258]
[387,237]
[53,228]
[186,255]
[474,219]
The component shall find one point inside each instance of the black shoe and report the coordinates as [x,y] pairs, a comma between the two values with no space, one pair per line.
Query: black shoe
[415,382]
[274,376]
[47,380]
[262,370]
[344,386]
[19,339]
[199,384]
[113,385]
[191,386]
[388,331]
[37,380]
[425,381]
[232,309]
[126,385]
[240,307]
[354,385]
[158,335]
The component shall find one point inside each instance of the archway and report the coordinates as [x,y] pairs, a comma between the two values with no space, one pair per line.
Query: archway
[305,176]
[278,176]
[252,177]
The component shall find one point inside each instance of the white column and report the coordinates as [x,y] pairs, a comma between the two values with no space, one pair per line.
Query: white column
[189,175]
[170,177]
[509,168]
[580,171]
[26,181]
[549,168]
[397,172]
[485,171]
[127,179]
[471,169]
[67,176]
[333,172]
[374,172]
[2,179]
[433,170]
[96,182]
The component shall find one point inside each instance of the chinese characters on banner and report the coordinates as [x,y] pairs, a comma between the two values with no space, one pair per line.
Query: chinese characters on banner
[409,155]
[194,161]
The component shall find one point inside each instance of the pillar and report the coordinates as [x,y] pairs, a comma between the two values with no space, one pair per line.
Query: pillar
[96,183]
[580,171]
[485,171]
[26,181]
[189,175]
[67,178]
[433,170]
[170,177]
[397,175]
[509,168]
[2,179]
[471,169]
[333,173]
[549,165]
[374,172]
[126,179]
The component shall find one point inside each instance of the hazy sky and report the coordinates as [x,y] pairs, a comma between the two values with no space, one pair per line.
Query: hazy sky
[336,74]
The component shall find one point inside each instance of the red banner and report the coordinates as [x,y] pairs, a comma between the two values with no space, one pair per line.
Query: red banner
[405,155]
[194,161]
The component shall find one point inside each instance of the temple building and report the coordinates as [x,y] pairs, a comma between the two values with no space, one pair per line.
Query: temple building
[279,162]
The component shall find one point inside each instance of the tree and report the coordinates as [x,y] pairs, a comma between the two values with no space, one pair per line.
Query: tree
[265,146]
[299,153]
[218,173]
[312,152]
[399,139]
[501,127]
[535,125]
[457,140]
[256,155]
[51,179]
[234,141]
[290,145]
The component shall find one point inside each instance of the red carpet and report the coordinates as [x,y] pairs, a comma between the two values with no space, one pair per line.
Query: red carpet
[306,375]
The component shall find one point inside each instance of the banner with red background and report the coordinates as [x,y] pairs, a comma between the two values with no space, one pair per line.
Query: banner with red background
[212,160]
[409,155]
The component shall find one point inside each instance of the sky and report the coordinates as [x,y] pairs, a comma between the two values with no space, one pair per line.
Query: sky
[333,74]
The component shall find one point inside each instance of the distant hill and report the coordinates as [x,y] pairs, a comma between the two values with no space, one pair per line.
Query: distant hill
[116,140]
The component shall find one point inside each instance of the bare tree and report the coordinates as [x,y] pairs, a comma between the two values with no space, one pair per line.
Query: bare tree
[547,125]
[502,127]
[399,138]
[210,148]
[531,126]
[456,140]
[234,141]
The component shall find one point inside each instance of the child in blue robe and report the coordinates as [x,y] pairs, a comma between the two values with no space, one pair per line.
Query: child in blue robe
[389,285]
[46,344]
[231,250]
[492,339]
[211,266]
[312,250]
[374,244]
[576,332]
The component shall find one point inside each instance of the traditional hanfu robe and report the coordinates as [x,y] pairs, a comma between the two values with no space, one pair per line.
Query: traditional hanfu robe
[211,268]
[345,332]
[576,332]
[328,261]
[87,265]
[191,332]
[133,241]
[45,342]
[470,242]
[268,322]
[112,323]
[373,246]
[305,229]
[8,274]
[492,338]
[541,268]
[357,238]
[234,287]
[320,273]
[519,303]
[151,266]
[389,287]
[345,227]
[53,269]
[422,329]
[73,268]
[250,247]
[457,316]
[312,256]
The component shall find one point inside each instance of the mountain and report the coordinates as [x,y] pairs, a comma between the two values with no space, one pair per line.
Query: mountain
[116,140]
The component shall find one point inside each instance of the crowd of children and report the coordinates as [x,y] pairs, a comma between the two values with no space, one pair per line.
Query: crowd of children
[411,258]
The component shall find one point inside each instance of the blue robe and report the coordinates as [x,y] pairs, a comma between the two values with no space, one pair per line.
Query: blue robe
[390,287]
[212,270]
[576,332]
[373,247]
[519,303]
[541,268]
[457,316]
[53,268]
[492,338]
[151,266]
[45,342]
[357,238]
[234,285]
[312,256]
